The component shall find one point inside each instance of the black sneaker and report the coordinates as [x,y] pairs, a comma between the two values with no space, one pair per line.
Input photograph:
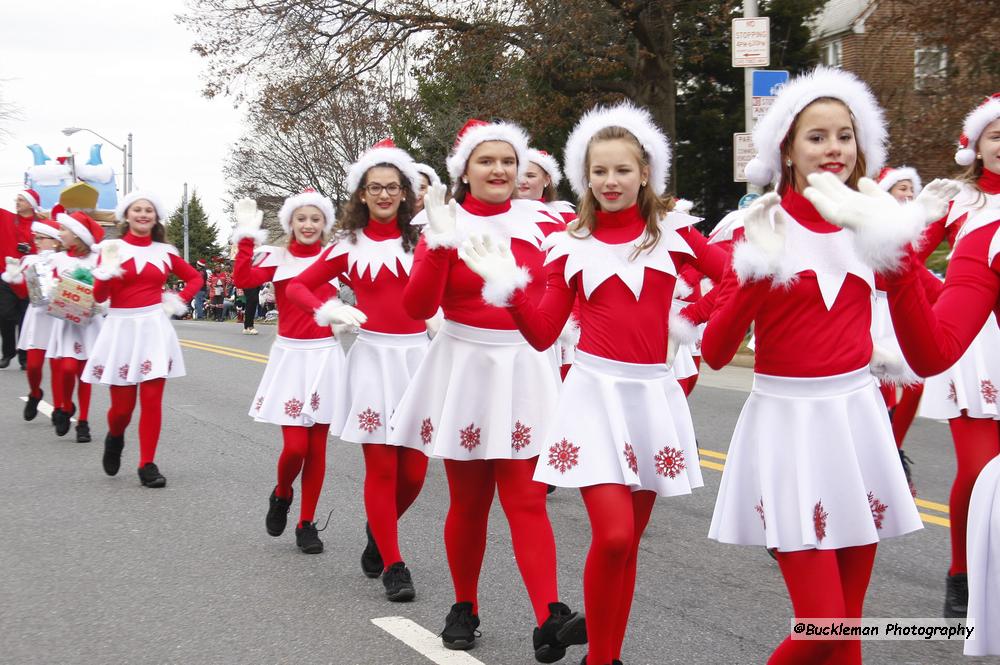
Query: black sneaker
[307,538]
[5,361]
[63,422]
[277,513]
[460,627]
[371,559]
[398,583]
[562,629]
[905,460]
[550,489]
[956,596]
[82,431]
[112,460]
[149,476]
[31,408]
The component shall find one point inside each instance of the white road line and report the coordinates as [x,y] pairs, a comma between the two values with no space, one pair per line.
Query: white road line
[44,408]
[423,641]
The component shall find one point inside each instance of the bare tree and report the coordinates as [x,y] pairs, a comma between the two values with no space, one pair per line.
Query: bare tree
[9,113]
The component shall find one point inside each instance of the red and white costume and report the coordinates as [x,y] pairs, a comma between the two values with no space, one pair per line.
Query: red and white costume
[71,340]
[37,325]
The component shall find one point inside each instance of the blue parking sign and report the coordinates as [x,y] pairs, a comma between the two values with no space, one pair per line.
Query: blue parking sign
[767,82]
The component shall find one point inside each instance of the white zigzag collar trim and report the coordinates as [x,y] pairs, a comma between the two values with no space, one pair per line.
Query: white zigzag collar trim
[287,264]
[156,254]
[371,256]
[520,222]
[970,201]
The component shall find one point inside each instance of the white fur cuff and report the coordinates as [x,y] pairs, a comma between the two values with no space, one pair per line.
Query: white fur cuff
[882,246]
[440,240]
[15,278]
[498,291]
[259,236]
[570,335]
[889,367]
[682,289]
[173,304]
[324,315]
[104,273]
[751,264]
[682,331]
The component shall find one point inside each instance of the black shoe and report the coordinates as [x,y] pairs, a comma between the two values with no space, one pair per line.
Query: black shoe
[562,629]
[550,489]
[371,559]
[112,460]
[905,460]
[277,513]
[460,627]
[398,583]
[5,362]
[149,476]
[956,596]
[63,422]
[82,431]
[307,538]
[31,408]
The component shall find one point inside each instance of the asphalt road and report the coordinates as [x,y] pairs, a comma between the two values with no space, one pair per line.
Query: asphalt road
[100,570]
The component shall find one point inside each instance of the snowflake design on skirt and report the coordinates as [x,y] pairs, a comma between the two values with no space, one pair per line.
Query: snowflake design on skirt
[293,408]
[314,401]
[669,462]
[819,521]
[989,391]
[952,393]
[630,457]
[146,367]
[77,348]
[259,403]
[426,431]
[520,437]
[469,437]
[563,456]
[123,372]
[97,372]
[369,420]
[878,509]
[760,511]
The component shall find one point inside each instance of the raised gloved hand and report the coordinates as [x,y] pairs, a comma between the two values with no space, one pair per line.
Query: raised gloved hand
[248,220]
[934,198]
[441,218]
[111,262]
[761,255]
[13,270]
[496,265]
[334,312]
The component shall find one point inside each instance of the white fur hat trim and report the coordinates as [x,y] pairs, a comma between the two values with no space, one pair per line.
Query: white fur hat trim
[311,198]
[382,155]
[480,133]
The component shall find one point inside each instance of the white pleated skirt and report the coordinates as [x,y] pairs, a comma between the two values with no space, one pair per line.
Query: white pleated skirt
[302,383]
[478,394]
[983,540]
[972,384]
[135,344]
[36,328]
[620,423]
[813,464]
[70,340]
[380,366]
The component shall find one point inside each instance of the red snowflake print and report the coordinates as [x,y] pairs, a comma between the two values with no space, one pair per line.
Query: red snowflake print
[629,453]
[760,511]
[97,372]
[819,520]
[878,509]
[369,420]
[520,438]
[123,372]
[989,391]
[293,408]
[469,437]
[259,403]
[314,401]
[77,348]
[669,462]
[146,367]
[952,394]
[564,456]
[426,431]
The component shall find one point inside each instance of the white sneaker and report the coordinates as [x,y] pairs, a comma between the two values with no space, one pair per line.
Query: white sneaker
[251,331]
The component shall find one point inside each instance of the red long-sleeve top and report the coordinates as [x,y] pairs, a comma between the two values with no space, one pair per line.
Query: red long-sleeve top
[15,229]
[376,268]
[614,322]
[280,266]
[146,266]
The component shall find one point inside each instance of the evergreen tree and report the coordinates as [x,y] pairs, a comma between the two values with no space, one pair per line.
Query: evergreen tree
[202,234]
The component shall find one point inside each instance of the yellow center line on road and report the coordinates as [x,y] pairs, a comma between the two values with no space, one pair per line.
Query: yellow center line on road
[231,349]
[240,354]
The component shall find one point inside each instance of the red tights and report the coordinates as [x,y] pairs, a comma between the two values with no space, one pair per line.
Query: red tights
[906,411]
[394,476]
[977,441]
[688,384]
[150,395]
[618,518]
[471,486]
[65,372]
[825,583]
[304,452]
[33,368]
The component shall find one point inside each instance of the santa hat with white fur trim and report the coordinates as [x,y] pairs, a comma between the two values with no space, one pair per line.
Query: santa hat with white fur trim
[890,177]
[47,228]
[973,128]
[140,195]
[83,227]
[475,132]
[32,197]
[800,92]
[383,152]
[548,164]
[638,122]
[431,174]
[308,197]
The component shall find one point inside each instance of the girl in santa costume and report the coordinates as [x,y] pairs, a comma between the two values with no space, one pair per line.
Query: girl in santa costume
[15,243]
[304,375]
[950,337]
[482,395]
[621,431]
[37,325]
[428,178]
[812,469]
[686,361]
[373,254]
[137,349]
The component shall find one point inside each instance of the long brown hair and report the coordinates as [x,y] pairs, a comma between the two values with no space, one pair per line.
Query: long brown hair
[651,206]
[356,216]
[159,232]
[788,173]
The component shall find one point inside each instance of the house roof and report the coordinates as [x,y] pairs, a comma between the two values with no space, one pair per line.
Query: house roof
[839,16]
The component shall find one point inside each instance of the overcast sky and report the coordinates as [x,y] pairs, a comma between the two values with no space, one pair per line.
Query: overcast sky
[116,67]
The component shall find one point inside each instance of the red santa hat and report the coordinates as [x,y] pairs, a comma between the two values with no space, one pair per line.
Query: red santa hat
[431,174]
[140,195]
[973,128]
[382,153]
[639,123]
[33,199]
[308,197]
[83,227]
[45,227]
[800,92]
[548,164]
[474,132]
[890,177]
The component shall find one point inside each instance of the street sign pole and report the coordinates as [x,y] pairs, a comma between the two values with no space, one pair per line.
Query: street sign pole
[751,48]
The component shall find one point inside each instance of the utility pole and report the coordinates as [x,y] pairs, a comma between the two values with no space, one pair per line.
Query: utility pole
[128,163]
[187,250]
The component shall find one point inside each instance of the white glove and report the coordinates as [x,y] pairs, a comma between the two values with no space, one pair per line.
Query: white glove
[434,323]
[935,196]
[335,312]
[761,256]
[12,271]
[111,262]
[173,305]
[248,217]
[890,367]
[441,217]
[496,265]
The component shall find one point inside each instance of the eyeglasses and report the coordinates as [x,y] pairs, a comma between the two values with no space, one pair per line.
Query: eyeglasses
[375,189]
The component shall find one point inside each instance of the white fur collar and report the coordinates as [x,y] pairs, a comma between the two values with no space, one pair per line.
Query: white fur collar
[64,263]
[288,265]
[156,254]
[371,256]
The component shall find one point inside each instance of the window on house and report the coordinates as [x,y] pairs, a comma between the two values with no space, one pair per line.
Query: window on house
[930,66]
[830,53]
